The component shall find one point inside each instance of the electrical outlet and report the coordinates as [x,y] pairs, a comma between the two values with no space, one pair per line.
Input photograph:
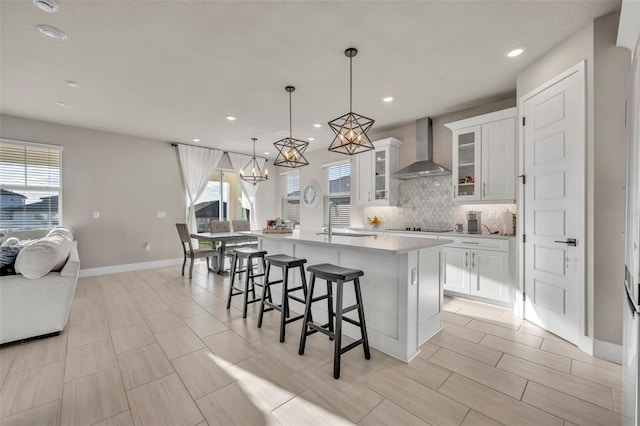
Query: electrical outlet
[161,215]
[147,247]
[492,215]
[96,215]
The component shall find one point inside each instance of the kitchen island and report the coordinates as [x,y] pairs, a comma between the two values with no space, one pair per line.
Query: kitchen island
[401,287]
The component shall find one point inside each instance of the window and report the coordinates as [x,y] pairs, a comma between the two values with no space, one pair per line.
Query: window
[338,178]
[222,199]
[30,185]
[291,197]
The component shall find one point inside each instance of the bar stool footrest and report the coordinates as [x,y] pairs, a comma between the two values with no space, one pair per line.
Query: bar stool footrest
[297,299]
[351,346]
[350,308]
[351,321]
[287,321]
[319,328]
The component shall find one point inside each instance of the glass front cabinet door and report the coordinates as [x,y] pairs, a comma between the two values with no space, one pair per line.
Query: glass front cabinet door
[466,162]
[375,186]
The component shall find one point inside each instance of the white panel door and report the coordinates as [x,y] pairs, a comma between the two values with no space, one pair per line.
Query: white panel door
[456,269]
[498,160]
[554,206]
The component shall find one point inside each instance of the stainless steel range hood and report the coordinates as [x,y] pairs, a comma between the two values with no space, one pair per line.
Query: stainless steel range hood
[424,167]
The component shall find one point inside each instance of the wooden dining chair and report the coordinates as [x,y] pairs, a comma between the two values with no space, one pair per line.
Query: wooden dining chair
[216,226]
[240,225]
[190,252]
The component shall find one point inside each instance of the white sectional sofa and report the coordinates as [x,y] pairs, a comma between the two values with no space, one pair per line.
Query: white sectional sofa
[37,307]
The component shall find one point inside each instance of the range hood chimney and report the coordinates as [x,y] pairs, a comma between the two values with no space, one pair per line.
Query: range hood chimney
[424,166]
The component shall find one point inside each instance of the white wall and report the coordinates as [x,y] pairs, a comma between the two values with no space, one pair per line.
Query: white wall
[125,178]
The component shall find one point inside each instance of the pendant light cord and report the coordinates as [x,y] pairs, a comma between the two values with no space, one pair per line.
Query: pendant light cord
[350,83]
[290,119]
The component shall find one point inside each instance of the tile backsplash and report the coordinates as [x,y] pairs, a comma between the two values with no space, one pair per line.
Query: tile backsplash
[427,203]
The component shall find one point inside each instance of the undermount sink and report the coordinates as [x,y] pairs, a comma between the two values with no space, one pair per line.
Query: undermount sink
[346,234]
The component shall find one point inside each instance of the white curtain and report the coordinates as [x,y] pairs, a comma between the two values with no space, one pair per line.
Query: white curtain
[197,166]
[248,189]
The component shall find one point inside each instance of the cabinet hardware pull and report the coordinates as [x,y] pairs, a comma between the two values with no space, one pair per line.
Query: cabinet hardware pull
[466,259]
[473,260]
[470,242]
[484,189]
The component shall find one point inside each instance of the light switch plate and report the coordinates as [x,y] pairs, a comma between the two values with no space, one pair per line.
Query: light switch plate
[492,215]
[161,215]
[96,215]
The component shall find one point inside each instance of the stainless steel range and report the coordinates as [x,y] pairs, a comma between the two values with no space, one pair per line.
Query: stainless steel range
[436,229]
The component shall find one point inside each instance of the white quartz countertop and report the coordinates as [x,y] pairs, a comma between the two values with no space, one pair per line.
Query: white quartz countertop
[387,243]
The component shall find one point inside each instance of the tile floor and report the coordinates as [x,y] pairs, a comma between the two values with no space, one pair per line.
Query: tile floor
[152,348]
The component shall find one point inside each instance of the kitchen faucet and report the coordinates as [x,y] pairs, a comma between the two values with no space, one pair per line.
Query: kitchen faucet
[329,227]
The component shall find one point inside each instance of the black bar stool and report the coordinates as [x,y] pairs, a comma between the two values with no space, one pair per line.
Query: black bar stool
[332,273]
[285,262]
[240,255]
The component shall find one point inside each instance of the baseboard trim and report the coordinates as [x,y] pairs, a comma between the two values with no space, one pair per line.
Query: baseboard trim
[606,350]
[91,272]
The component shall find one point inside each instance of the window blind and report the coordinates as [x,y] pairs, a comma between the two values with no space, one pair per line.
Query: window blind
[291,198]
[339,193]
[30,185]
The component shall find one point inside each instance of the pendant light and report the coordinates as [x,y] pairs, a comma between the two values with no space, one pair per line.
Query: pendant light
[252,172]
[290,151]
[351,129]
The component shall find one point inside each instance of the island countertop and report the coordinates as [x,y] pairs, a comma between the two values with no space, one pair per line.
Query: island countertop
[383,243]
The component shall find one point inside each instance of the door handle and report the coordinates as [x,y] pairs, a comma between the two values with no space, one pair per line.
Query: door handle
[570,242]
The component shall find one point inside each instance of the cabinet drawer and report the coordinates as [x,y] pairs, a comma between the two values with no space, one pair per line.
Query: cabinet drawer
[478,242]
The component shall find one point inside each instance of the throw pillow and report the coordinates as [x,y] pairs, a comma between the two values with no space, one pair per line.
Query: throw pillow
[41,257]
[11,241]
[8,256]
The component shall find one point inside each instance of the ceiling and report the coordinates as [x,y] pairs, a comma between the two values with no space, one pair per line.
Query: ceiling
[173,70]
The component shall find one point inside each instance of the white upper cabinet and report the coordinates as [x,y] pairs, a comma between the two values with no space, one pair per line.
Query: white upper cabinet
[484,157]
[374,169]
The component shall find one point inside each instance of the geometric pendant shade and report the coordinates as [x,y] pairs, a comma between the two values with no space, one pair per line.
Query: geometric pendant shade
[290,150]
[351,128]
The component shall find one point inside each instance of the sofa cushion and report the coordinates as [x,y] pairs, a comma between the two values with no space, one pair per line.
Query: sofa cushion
[8,256]
[43,256]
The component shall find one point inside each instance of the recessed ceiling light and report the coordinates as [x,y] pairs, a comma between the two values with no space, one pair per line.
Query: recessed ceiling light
[50,6]
[52,32]
[63,104]
[311,139]
[388,99]
[266,153]
[230,117]
[195,140]
[316,125]
[73,84]
[515,52]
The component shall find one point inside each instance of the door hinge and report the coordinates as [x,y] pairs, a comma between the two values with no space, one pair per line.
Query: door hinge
[524,238]
[524,179]
[524,120]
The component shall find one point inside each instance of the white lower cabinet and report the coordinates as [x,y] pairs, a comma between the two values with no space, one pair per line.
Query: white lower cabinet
[477,272]
[490,275]
[456,273]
